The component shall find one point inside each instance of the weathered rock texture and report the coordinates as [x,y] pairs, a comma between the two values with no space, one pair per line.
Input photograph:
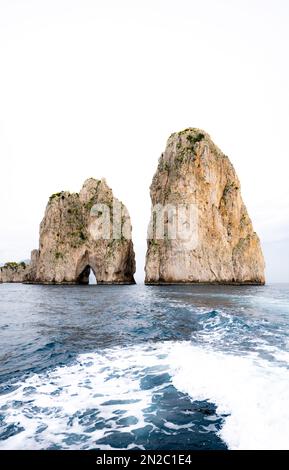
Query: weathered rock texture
[69,246]
[14,272]
[192,170]
[31,271]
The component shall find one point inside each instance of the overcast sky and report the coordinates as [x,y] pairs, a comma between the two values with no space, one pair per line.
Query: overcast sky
[93,88]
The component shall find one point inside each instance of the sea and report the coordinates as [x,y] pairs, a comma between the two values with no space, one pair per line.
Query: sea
[144,367]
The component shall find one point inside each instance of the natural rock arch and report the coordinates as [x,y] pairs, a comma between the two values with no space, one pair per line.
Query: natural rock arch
[69,243]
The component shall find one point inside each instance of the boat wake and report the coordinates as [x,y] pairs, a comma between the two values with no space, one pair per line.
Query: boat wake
[145,396]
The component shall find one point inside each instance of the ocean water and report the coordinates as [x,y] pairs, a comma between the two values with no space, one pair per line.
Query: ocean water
[136,367]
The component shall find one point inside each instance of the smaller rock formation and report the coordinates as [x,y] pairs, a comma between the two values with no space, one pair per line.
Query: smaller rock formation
[80,232]
[31,270]
[14,272]
[83,231]
[195,178]
[20,272]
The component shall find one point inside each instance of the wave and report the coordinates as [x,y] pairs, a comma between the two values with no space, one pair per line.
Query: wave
[110,399]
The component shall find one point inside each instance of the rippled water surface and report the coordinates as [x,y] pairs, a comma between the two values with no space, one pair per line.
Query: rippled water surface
[176,367]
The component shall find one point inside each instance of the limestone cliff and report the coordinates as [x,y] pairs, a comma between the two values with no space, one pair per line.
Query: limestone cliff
[223,247]
[70,242]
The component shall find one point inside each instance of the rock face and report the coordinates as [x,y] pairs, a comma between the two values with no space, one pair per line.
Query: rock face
[14,272]
[80,232]
[31,271]
[195,177]
[72,239]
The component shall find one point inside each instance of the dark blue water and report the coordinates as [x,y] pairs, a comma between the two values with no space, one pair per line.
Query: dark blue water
[176,367]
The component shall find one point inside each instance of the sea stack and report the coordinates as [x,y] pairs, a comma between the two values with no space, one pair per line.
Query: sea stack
[196,190]
[20,272]
[73,239]
[13,272]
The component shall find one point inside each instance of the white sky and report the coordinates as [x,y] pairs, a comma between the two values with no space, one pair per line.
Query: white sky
[95,87]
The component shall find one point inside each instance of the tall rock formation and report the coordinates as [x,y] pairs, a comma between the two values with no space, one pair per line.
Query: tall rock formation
[220,246]
[74,239]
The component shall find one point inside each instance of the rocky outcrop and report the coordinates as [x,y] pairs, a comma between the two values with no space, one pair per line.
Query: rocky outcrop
[22,272]
[31,270]
[14,272]
[80,232]
[83,231]
[220,246]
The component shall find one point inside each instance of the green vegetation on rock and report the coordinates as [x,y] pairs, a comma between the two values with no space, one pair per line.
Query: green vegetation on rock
[55,195]
[194,139]
[13,265]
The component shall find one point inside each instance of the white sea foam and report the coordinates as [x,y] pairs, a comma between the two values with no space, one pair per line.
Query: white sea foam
[108,383]
[251,391]
[254,392]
